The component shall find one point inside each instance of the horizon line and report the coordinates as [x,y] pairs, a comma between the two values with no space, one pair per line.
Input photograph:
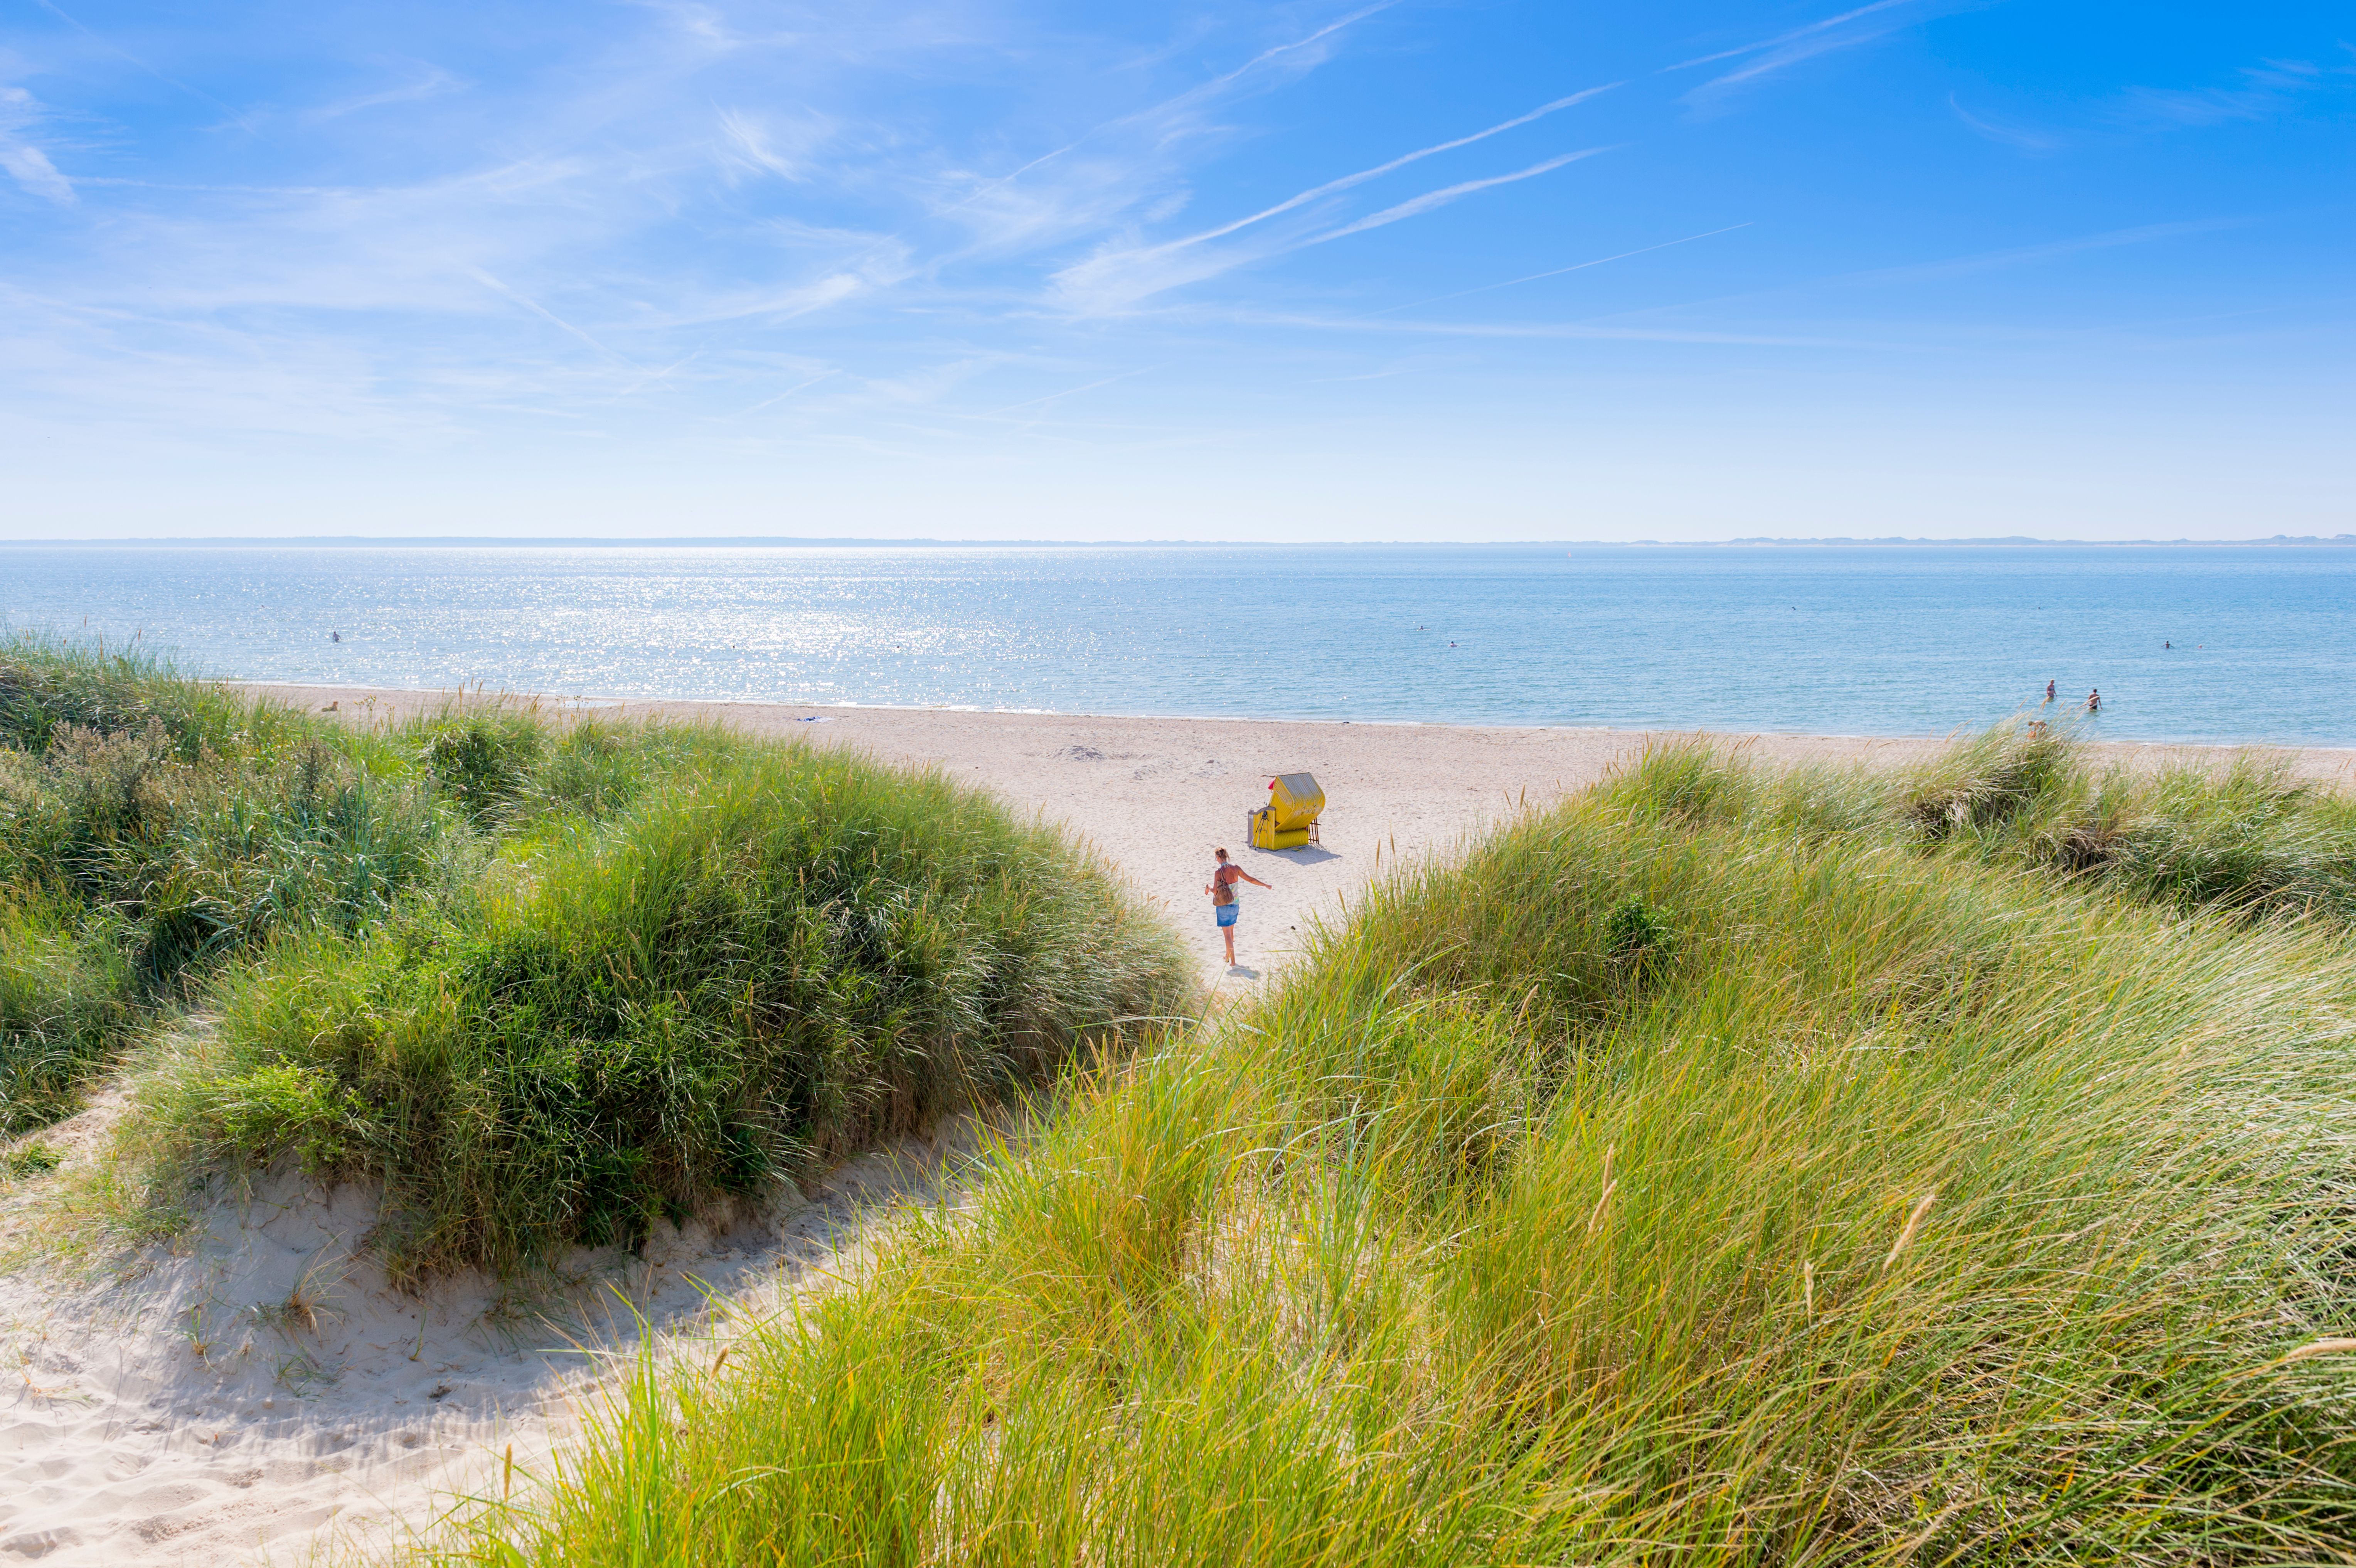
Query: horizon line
[927,542]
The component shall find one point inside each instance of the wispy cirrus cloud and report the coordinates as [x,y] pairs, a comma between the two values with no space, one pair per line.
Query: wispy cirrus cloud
[702,183]
[1118,280]
[1415,207]
[23,157]
[1548,331]
[411,246]
[782,302]
[841,212]
[2009,135]
[1122,164]
[2051,249]
[1849,28]
[520,297]
[838,251]
[1292,57]
[1122,274]
[707,25]
[2259,92]
[785,146]
[110,46]
[1564,272]
[432,82]
[1349,181]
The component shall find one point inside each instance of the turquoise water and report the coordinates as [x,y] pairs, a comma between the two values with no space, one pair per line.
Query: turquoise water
[1864,641]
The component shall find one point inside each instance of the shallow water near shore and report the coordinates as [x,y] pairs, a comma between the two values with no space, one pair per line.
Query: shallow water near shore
[1873,641]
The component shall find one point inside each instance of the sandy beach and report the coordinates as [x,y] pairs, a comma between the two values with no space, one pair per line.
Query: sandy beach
[176,1412]
[1156,795]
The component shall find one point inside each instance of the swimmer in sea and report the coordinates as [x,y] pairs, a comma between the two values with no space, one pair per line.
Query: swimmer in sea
[2095,702]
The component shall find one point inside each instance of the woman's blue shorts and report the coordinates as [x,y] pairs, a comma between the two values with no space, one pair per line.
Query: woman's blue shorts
[1227,913]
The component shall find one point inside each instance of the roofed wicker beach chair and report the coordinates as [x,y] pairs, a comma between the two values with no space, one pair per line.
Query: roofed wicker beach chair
[1288,821]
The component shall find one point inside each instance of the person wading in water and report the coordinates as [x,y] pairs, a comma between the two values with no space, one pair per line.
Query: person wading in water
[1222,889]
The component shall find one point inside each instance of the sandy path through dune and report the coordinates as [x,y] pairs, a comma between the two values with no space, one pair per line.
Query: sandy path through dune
[255,1389]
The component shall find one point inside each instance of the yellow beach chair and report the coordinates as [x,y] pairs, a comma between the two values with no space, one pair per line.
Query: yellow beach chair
[1288,821]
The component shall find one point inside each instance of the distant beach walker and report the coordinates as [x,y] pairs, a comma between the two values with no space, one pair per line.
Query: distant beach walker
[1222,889]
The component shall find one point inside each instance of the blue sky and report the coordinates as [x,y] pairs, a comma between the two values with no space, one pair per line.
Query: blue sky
[1492,269]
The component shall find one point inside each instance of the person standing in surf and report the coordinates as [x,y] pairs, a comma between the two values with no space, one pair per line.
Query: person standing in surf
[1222,889]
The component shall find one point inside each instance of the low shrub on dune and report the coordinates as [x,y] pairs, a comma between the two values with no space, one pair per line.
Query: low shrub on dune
[2250,836]
[1653,1186]
[746,972]
[147,823]
[50,684]
[154,827]
[64,991]
[544,981]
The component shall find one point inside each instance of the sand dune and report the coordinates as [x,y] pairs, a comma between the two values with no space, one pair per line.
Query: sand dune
[255,1384]
[255,1389]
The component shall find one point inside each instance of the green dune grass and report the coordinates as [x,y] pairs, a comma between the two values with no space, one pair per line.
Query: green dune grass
[541,981]
[2251,837]
[740,975]
[154,827]
[1747,1178]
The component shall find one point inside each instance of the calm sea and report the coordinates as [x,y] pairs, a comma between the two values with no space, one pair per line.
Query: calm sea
[1865,641]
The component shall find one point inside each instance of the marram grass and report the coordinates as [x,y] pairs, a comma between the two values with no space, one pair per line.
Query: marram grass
[155,828]
[1905,1208]
[2249,837]
[541,981]
[742,975]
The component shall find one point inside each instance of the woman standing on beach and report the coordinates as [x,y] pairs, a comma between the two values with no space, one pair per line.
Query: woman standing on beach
[1222,889]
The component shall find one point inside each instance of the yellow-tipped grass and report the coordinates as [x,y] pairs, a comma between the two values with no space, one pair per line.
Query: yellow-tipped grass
[2242,834]
[1916,1209]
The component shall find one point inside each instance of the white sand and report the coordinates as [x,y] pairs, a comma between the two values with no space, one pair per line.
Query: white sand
[1157,794]
[171,1410]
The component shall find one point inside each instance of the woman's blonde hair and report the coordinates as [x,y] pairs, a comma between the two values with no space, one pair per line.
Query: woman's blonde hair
[1220,853]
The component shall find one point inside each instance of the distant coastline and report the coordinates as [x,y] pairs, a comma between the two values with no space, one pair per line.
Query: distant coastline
[785,542]
[2024,541]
